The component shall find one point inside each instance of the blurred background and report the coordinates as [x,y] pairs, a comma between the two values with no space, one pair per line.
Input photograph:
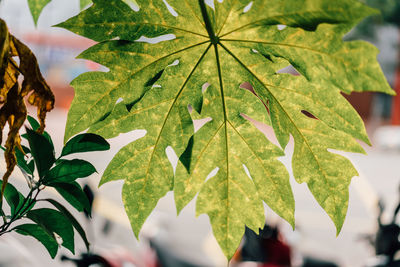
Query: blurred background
[185,236]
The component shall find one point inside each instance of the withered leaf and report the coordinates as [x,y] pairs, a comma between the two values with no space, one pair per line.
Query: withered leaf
[12,105]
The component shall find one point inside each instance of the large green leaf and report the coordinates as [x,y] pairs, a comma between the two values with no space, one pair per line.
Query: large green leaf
[201,64]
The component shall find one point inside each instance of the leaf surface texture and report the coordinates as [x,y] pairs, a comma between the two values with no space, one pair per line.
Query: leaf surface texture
[175,62]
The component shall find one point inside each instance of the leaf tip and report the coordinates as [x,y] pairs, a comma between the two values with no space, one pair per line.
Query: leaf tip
[339,221]
[338,230]
[292,223]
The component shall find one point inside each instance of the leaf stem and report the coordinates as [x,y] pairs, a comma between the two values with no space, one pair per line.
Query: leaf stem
[214,39]
[28,201]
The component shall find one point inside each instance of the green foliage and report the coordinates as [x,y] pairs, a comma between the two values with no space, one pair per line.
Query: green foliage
[389,14]
[390,10]
[85,143]
[44,237]
[68,171]
[165,86]
[60,174]
[42,151]
[36,7]
[52,221]
[73,193]
[85,3]
[72,220]
[14,198]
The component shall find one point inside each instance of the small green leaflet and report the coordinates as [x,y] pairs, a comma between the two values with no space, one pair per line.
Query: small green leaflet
[54,221]
[85,3]
[197,71]
[13,197]
[68,171]
[85,143]
[71,219]
[36,7]
[47,239]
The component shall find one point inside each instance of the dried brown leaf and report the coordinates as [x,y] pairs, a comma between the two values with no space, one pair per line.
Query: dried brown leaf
[13,110]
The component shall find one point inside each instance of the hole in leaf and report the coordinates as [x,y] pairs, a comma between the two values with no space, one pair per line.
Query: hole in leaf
[118,142]
[308,114]
[170,9]
[289,70]
[204,87]
[190,108]
[267,130]
[254,51]
[175,63]
[212,174]
[158,39]
[117,38]
[198,124]
[28,158]
[247,86]
[248,7]
[132,4]
[172,157]
[246,170]
[119,100]
[281,27]
[210,3]
[58,238]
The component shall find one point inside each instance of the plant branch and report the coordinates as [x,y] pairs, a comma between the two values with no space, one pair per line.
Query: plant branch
[26,204]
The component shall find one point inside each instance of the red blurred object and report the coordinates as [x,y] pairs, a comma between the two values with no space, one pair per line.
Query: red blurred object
[278,253]
[64,94]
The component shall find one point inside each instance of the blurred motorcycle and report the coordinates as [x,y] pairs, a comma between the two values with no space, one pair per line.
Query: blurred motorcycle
[385,241]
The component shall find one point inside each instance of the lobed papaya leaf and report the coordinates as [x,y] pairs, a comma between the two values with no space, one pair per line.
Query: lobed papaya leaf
[174,62]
